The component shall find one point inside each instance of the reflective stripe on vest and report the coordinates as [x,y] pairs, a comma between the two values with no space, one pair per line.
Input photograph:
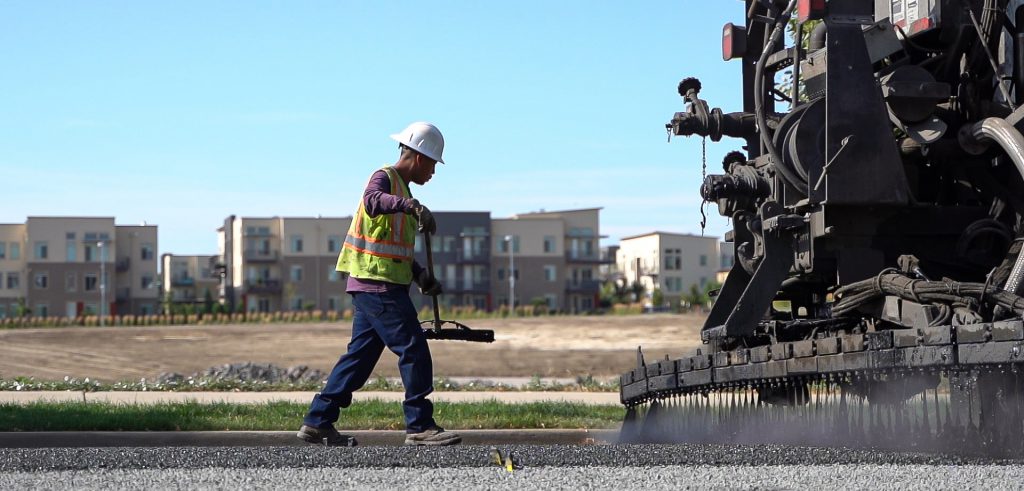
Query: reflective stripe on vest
[380,248]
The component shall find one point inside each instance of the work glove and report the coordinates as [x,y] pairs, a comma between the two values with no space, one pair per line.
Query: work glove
[428,284]
[424,217]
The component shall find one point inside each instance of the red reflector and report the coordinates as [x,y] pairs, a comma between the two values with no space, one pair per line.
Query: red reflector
[734,41]
[810,10]
[921,24]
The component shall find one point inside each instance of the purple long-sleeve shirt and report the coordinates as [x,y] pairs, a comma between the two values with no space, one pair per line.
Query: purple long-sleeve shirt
[378,200]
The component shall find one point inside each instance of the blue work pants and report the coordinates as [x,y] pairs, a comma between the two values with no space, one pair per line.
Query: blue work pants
[379,320]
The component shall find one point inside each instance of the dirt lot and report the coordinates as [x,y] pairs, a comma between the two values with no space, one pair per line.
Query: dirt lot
[601,346]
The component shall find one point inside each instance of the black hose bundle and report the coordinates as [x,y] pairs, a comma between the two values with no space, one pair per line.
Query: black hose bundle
[944,292]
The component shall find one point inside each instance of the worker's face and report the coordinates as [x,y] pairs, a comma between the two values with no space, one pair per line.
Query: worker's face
[423,170]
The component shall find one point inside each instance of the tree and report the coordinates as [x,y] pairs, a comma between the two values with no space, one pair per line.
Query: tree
[638,290]
[207,302]
[657,298]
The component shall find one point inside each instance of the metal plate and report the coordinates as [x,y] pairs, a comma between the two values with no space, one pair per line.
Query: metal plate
[797,366]
[781,351]
[1007,331]
[700,362]
[994,352]
[974,333]
[827,346]
[775,369]
[924,356]
[803,349]
[668,367]
[721,359]
[852,342]
[936,336]
[684,364]
[662,382]
[749,371]
[905,338]
[653,369]
[860,360]
[759,354]
[695,378]
[739,357]
[625,379]
[879,340]
[885,358]
[722,375]
[633,390]
[831,363]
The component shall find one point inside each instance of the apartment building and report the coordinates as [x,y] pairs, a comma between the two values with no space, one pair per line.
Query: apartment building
[71,266]
[282,263]
[189,280]
[552,257]
[671,262]
[461,251]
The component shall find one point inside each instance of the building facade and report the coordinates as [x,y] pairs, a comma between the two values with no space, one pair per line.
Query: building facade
[282,263]
[73,266]
[673,263]
[189,280]
[553,259]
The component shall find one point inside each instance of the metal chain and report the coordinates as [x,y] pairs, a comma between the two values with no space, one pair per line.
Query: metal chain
[703,176]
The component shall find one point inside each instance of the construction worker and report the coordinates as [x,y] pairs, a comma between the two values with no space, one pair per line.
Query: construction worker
[378,257]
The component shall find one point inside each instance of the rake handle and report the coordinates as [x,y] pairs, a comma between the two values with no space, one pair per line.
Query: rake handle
[430,269]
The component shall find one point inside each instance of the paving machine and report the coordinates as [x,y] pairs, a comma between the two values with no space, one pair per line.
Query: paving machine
[876,211]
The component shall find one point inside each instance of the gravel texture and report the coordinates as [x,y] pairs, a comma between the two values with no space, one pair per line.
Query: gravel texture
[463,456]
[844,476]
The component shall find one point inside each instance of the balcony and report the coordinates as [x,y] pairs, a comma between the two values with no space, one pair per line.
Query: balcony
[462,286]
[583,286]
[582,257]
[261,256]
[266,287]
[183,281]
[482,256]
[123,264]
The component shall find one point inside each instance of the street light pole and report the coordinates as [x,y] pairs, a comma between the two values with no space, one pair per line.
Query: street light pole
[511,278]
[103,282]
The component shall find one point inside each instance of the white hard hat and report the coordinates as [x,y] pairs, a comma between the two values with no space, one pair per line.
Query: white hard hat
[424,138]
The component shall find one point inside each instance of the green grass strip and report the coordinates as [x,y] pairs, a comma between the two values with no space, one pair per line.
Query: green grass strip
[366,415]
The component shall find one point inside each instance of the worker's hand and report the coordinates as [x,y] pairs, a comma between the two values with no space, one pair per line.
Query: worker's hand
[428,284]
[424,217]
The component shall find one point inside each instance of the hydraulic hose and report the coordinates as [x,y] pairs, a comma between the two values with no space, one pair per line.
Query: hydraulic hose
[998,130]
[759,111]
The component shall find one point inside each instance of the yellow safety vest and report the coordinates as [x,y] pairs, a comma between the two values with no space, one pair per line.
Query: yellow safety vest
[381,247]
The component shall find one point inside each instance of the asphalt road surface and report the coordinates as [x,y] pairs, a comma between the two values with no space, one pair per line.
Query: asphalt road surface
[471,467]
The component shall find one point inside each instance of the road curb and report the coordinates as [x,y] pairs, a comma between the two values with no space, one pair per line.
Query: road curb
[366,438]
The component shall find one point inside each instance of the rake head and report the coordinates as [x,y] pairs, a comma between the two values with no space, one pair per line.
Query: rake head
[436,330]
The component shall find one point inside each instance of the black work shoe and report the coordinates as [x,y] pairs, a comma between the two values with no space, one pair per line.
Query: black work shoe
[433,436]
[325,436]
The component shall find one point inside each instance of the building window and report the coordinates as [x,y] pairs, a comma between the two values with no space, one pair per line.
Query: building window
[41,280]
[90,253]
[146,252]
[13,280]
[71,251]
[296,243]
[15,251]
[419,244]
[70,281]
[147,282]
[333,275]
[550,273]
[41,250]
[703,260]
[333,243]
[501,274]
[90,282]
[549,243]
[3,250]
[449,243]
[296,272]
[296,303]
[146,309]
[3,311]
[333,303]
[89,309]
[42,310]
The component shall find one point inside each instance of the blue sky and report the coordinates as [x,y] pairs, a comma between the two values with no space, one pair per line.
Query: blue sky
[181,113]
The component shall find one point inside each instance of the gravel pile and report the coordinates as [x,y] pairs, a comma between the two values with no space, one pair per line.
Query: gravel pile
[248,372]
